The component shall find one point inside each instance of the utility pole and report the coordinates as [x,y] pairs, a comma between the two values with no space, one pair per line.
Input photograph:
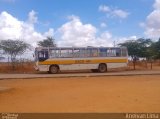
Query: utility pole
[114,43]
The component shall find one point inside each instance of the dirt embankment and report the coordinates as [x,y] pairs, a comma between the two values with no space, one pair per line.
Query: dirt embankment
[87,94]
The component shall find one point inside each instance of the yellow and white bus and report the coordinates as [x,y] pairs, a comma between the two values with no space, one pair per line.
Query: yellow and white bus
[98,59]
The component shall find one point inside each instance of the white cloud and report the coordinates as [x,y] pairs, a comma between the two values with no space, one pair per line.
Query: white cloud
[32,18]
[104,8]
[12,28]
[50,33]
[113,12]
[152,23]
[118,40]
[142,24]
[71,33]
[103,25]
[156,4]
[75,33]
[9,26]
[120,13]
[105,39]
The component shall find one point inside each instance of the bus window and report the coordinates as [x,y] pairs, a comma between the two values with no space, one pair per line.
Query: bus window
[82,52]
[94,52]
[91,52]
[118,52]
[66,53]
[88,52]
[70,52]
[55,53]
[102,52]
[124,52]
[111,52]
[42,55]
[76,52]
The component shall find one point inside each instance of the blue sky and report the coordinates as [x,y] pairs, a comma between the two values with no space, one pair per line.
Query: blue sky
[121,19]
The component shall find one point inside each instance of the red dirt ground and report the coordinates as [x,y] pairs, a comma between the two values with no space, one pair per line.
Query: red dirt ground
[87,94]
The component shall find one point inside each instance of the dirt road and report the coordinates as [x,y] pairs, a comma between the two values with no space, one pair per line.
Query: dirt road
[82,94]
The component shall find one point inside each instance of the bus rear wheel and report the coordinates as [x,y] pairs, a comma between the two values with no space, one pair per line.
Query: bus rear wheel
[54,69]
[102,68]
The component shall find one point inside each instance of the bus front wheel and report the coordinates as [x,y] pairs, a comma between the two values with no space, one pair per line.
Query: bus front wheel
[102,68]
[54,69]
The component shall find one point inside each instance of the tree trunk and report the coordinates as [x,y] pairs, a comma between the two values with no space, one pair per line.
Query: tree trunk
[8,60]
[151,64]
[134,62]
[134,65]
[146,64]
[13,63]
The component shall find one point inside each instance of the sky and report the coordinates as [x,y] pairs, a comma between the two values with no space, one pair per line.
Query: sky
[79,22]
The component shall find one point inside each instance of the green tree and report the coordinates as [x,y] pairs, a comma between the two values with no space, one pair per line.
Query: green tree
[156,49]
[139,48]
[13,48]
[48,42]
[144,48]
[133,49]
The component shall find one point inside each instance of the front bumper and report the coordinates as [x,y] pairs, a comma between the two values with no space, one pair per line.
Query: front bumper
[36,68]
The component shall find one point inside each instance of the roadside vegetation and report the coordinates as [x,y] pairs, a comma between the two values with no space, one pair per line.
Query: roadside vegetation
[143,48]
[13,49]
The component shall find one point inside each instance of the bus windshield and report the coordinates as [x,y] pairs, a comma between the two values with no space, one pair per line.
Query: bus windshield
[41,55]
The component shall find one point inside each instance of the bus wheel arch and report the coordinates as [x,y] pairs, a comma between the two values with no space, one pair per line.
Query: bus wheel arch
[53,69]
[102,67]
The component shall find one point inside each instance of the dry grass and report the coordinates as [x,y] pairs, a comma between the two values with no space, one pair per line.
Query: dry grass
[143,65]
[27,67]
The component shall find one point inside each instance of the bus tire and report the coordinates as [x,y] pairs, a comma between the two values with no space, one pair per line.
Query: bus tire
[54,69]
[102,68]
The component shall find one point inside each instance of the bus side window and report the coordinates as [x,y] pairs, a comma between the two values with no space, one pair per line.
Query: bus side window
[111,52]
[103,52]
[88,52]
[124,52]
[82,53]
[76,53]
[118,52]
[94,52]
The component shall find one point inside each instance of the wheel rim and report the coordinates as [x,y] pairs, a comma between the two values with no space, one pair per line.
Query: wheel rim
[102,68]
[54,69]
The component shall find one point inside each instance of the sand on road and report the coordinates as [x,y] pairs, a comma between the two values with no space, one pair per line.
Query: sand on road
[82,94]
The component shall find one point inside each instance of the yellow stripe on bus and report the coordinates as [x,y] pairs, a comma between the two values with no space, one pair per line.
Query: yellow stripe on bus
[86,61]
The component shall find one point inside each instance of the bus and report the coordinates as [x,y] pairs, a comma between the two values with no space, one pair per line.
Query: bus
[98,59]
